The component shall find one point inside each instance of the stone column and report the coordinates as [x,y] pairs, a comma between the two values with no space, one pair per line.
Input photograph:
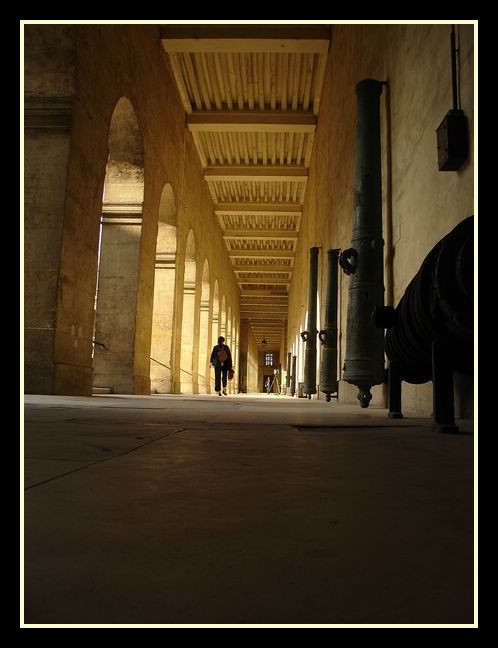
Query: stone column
[188,318]
[204,348]
[117,297]
[49,57]
[162,324]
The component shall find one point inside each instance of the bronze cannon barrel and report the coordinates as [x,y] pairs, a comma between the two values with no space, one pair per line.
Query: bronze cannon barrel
[430,334]
[437,305]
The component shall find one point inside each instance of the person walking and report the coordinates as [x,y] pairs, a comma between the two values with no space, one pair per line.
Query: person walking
[221,360]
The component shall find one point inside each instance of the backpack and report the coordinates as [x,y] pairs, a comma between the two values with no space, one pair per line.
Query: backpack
[222,355]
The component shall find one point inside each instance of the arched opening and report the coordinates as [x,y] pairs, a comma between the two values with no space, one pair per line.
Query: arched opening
[215,323]
[234,347]
[121,228]
[223,318]
[228,338]
[204,338]
[229,325]
[164,296]
[188,381]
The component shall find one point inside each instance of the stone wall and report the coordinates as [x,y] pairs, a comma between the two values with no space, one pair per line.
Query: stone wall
[112,62]
[420,203]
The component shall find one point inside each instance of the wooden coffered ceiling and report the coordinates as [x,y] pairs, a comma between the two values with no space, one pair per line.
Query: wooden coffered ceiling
[251,95]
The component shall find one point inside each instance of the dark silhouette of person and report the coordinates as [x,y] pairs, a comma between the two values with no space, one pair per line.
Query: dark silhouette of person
[221,360]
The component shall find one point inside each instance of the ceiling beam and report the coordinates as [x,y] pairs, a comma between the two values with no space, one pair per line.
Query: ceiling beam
[255,209]
[258,303]
[262,320]
[263,297]
[240,122]
[254,234]
[242,279]
[262,309]
[261,281]
[255,254]
[266,173]
[254,300]
[283,308]
[261,304]
[274,267]
[271,325]
[274,328]
[273,314]
[246,38]
[247,45]
[263,293]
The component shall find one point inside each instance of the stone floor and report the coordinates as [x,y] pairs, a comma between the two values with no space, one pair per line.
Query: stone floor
[176,511]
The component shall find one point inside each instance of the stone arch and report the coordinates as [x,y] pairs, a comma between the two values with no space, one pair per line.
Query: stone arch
[164,295]
[119,252]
